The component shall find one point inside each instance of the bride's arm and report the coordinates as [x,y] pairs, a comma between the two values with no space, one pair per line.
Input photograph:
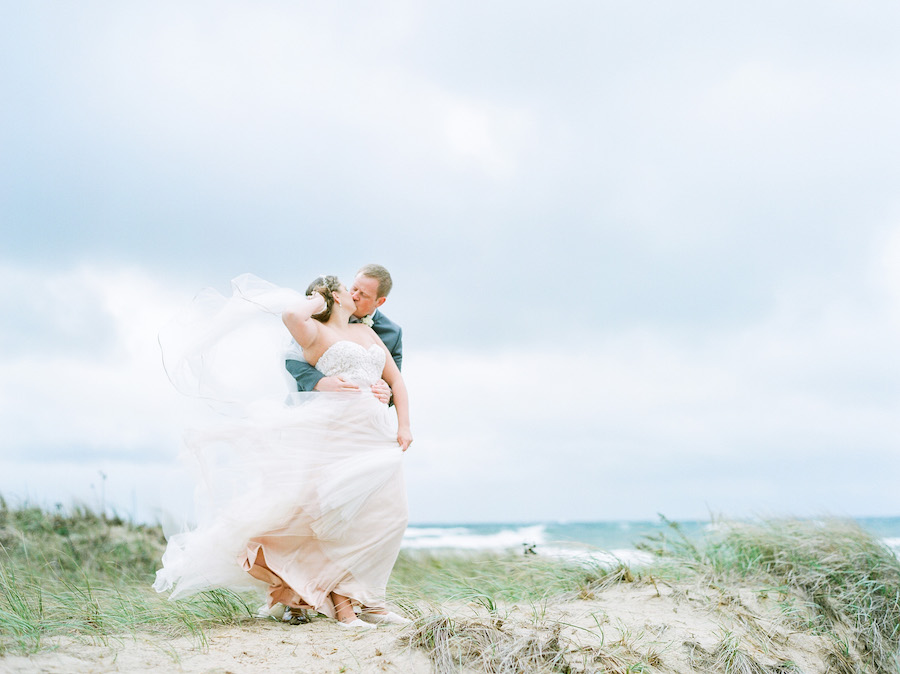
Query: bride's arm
[401,401]
[298,319]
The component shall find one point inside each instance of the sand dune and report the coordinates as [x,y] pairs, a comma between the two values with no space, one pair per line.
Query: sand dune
[659,627]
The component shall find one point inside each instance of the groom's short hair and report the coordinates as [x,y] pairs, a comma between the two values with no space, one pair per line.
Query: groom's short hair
[380,274]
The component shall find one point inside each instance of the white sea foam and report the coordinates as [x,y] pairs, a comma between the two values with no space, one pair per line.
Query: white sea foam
[463,538]
[532,538]
[423,532]
[535,538]
[627,556]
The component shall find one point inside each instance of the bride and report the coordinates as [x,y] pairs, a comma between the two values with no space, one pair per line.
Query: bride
[305,500]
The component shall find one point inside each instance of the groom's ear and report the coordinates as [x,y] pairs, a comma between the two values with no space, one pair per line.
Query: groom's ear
[379,301]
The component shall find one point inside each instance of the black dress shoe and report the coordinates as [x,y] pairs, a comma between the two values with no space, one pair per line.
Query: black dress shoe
[295,616]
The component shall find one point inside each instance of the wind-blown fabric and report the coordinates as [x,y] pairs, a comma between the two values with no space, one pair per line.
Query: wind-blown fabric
[301,495]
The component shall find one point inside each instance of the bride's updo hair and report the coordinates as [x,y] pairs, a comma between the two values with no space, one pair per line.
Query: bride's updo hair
[326,287]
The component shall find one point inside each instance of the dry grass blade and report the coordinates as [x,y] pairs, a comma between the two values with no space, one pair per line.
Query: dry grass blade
[452,645]
[729,657]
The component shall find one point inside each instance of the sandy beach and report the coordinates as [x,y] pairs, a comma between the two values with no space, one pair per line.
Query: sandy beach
[771,597]
[258,646]
[641,626]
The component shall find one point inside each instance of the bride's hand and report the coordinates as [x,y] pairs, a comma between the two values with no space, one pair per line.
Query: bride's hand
[404,438]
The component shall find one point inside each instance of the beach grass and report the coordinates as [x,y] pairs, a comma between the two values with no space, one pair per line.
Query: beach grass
[78,574]
[830,578]
[499,578]
[845,580]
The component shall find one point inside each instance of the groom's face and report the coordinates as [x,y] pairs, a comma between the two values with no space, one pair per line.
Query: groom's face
[365,294]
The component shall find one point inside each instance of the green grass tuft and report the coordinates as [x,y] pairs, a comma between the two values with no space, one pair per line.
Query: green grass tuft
[849,579]
[84,575]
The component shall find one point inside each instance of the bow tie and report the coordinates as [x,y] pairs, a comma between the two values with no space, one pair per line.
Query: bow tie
[365,320]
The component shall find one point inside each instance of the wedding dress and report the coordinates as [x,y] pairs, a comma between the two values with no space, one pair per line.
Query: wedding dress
[302,497]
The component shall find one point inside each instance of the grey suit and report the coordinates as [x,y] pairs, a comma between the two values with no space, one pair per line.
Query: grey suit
[307,376]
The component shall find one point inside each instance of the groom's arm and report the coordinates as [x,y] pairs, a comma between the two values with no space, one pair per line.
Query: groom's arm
[309,378]
[305,374]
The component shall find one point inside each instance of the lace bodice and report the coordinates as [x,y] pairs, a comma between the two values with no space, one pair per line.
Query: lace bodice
[357,363]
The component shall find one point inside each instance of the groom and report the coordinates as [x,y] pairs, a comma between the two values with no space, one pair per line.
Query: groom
[369,290]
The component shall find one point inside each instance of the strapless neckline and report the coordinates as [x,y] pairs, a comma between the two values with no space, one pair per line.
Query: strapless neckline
[346,341]
[355,362]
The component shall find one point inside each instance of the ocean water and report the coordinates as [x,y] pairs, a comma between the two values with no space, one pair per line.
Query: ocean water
[599,541]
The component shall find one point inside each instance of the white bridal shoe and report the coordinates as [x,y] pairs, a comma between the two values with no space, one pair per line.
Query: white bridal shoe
[356,624]
[389,618]
[275,612]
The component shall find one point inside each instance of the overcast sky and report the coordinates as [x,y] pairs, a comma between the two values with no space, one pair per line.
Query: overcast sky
[646,254]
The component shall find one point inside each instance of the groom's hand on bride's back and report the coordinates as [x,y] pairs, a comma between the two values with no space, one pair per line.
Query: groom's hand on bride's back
[335,384]
[382,391]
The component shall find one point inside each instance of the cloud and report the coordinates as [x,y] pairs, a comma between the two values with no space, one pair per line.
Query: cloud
[795,412]
[797,406]
[84,372]
[645,263]
[887,268]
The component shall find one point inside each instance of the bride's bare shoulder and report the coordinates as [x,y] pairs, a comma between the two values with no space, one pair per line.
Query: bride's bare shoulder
[325,339]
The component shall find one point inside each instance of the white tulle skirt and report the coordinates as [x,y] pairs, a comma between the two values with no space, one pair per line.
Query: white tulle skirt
[299,497]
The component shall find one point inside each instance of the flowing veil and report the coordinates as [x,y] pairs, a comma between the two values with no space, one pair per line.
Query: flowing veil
[227,352]
[230,351]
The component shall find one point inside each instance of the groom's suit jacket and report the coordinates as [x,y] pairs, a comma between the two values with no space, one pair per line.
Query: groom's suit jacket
[307,376]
